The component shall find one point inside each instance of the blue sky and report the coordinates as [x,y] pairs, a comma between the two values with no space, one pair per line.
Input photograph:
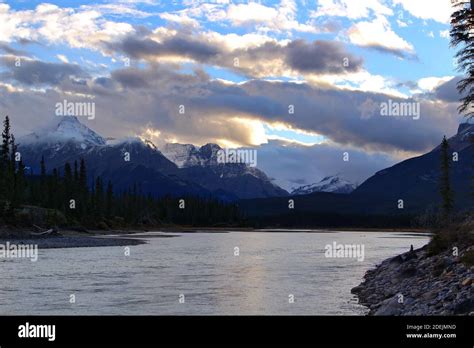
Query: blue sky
[238,66]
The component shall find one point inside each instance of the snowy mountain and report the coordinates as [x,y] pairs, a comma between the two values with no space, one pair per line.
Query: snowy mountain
[185,170]
[68,140]
[62,130]
[201,165]
[332,184]
[188,155]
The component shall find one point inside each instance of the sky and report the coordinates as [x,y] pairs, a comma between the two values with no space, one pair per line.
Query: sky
[301,81]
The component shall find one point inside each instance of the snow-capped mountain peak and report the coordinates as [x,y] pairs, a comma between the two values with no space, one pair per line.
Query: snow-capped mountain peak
[183,155]
[204,166]
[334,184]
[62,130]
[188,155]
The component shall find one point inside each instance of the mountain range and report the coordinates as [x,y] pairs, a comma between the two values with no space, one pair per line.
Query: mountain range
[333,183]
[185,169]
[181,170]
[409,187]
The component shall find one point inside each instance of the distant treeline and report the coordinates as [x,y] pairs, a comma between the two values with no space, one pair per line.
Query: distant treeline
[305,219]
[69,197]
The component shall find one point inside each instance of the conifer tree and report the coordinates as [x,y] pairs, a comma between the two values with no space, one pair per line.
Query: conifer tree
[109,199]
[445,184]
[43,187]
[4,159]
[462,27]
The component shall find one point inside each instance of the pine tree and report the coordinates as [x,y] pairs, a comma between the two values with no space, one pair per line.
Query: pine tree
[68,189]
[54,198]
[20,184]
[99,197]
[10,172]
[83,190]
[5,159]
[83,176]
[445,184]
[68,181]
[462,26]
[43,187]
[6,138]
[471,138]
[109,199]
[14,175]
[76,173]
[42,167]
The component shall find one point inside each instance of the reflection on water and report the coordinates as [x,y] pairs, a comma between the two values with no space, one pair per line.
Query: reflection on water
[203,267]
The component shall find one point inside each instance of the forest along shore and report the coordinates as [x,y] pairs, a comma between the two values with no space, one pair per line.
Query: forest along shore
[417,283]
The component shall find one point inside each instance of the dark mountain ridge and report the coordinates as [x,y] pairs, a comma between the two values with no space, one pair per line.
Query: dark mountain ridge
[413,181]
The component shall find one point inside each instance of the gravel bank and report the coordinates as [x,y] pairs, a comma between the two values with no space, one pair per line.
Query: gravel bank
[73,242]
[417,284]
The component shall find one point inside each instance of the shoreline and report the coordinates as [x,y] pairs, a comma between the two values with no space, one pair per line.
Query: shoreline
[58,242]
[416,283]
[102,238]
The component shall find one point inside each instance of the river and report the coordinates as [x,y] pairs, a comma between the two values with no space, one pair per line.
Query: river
[208,273]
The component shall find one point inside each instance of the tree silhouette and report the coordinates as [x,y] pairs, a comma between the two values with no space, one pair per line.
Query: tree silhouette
[445,184]
[462,34]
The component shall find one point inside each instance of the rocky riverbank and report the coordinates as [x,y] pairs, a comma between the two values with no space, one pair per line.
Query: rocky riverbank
[417,283]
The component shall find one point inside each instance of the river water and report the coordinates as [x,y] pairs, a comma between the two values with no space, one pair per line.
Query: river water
[236,273]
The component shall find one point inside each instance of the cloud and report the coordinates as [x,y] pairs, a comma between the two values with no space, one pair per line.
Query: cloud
[262,58]
[78,28]
[430,83]
[294,165]
[281,18]
[35,72]
[351,9]
[321,57]
[379,35]
[444,34]
[180,18]
[439,10]
[176,45]
[62,58]
[118,10]
[447,91]
[134,98]
[252,13]
[334,97]
[12,51]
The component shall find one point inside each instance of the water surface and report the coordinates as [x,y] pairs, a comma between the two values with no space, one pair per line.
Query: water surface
[202,267]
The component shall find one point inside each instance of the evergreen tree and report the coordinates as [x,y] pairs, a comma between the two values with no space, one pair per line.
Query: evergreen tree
[462,27]
[20,184]
[109,199]
[83,178]
[10,172]
[445,184]
[16,175]
[42,167]
[43,186]
[68,189]
[83,190]
[6,138]
[76,173]
[4,159]
[99,197]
